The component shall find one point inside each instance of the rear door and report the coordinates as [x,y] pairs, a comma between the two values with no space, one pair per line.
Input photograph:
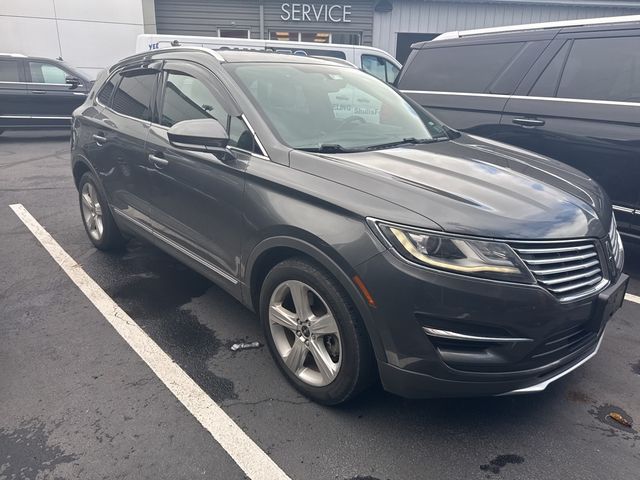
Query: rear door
[581,106]
[196,197]
[119,141]
[14,97]
[52,99]
[466,85]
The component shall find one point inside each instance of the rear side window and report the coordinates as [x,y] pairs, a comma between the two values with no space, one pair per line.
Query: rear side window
[9,71]
[104,96]
[133,96]
[379,67]
[468,68]
[547,82]
[603,69]
[188,98]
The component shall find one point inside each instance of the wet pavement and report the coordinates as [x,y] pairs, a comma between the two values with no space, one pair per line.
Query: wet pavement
[76,402]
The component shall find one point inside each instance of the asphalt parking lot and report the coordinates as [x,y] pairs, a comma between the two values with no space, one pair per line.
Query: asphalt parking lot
[77,402]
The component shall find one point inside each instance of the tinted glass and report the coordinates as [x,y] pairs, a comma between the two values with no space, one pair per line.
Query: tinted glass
[188,98]
[9,71]
[603,69]
[240,136]
[547,82]
[46,73]
[380,68]
[104,96]
[133,96]
[470,68]
[311,106]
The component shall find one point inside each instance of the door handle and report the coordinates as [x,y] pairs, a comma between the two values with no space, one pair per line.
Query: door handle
[158,161]
[528,122]
[38,92]
[100,140]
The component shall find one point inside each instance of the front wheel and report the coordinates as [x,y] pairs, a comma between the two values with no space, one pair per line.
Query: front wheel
[314,333]
[96,216]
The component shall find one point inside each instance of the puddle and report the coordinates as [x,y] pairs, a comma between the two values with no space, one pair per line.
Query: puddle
[601,414]
[497,464]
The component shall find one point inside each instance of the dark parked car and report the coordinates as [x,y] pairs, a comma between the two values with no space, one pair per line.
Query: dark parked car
[39,92]
[370,238]
[567,90]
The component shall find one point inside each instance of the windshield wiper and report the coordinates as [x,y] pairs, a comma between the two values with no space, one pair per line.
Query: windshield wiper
[328,148]
[406,141]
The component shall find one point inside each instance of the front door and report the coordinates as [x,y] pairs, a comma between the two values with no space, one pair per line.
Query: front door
[584,110]
[52,99]
[196,197]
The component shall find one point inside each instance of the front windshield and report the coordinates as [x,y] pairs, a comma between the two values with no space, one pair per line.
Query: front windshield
[331,107]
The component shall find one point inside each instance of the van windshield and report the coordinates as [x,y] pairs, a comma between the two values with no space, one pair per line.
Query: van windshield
[319,107]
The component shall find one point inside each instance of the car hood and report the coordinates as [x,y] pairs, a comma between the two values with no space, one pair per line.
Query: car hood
[476,186]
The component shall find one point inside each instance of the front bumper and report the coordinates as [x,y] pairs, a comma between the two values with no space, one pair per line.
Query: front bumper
[560,336]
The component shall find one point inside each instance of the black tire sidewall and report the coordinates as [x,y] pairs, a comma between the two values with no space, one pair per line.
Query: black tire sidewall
[349,378]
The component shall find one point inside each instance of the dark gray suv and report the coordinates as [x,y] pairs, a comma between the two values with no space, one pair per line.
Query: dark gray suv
[372,240]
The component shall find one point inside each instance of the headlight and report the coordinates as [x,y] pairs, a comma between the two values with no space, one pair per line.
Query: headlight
[460,255]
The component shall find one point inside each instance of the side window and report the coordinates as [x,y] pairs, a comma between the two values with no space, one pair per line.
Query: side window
[468,68]
[188,98]
[547,82]
[241,137]
[46,73]
[9,71]
[104,95]
[133,96]
[380,68]
[603,69]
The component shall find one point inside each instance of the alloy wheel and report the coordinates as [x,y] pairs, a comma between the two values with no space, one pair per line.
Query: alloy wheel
[92,211]
[305,333]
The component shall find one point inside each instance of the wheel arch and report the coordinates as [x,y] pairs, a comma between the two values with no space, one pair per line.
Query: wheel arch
[273,250]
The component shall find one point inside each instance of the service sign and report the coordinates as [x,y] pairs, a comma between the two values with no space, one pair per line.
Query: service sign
[312,12]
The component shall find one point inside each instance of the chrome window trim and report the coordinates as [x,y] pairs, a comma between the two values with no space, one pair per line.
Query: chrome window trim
[255,136]
[525,97]
[178,247]
[631,211]
[43,117]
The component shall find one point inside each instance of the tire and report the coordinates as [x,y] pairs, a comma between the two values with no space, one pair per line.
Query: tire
[346,354]
[96,215]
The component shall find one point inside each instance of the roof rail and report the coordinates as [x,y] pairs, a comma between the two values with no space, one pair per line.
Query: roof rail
[16,55]
[539,26]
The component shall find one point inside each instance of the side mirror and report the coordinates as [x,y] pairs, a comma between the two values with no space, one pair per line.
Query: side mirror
[73,82]
[202,135]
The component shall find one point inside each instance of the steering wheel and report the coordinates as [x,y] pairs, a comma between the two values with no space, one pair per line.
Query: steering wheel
[349,120]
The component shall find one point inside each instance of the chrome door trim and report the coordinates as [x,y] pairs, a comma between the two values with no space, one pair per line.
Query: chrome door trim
[178,247]
[41,117]
[618,208]
[525,97]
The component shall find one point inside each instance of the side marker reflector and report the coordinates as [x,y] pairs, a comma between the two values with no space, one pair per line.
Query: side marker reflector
[363,289]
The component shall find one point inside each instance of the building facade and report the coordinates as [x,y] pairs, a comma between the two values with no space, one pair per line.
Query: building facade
[92,34]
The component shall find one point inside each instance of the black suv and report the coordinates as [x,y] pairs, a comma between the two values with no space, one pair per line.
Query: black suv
[567,90]
[370,238]
[39,92]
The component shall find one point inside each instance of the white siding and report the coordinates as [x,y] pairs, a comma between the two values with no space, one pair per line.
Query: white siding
[89,34]
[423,16]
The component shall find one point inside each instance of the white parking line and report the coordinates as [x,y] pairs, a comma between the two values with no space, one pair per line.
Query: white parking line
[255,463]
[632,298]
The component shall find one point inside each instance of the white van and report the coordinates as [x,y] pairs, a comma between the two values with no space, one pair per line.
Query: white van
[372,60]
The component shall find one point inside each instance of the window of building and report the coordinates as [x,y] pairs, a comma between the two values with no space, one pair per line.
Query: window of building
[46,73]
[603,69]
[188,98]
[9,71]
[316,37]
[233,33]
[380,68]
[470,68]
[547,82]
[104,95]
[133,96]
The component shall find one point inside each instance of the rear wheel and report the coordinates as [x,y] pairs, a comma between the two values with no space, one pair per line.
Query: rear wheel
[315,335]
[96,216]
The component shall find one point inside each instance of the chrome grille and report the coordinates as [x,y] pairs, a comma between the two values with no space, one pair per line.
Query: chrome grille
[569,270]
[617,251]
